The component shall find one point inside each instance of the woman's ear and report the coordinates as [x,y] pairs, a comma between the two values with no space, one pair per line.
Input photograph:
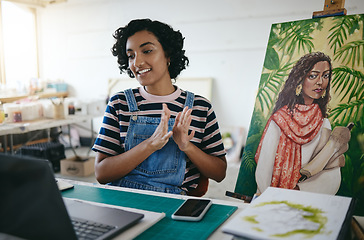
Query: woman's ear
[168,61]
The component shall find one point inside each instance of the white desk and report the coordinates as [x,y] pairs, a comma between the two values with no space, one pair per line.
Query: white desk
[9,129]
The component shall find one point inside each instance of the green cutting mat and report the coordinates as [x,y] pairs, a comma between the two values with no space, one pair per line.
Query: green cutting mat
[165,228]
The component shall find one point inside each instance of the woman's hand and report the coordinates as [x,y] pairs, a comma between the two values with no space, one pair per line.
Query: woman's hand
[180,129]
[161,135]
[109,168]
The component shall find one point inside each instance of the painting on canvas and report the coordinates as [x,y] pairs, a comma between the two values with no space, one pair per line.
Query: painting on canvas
[307,128]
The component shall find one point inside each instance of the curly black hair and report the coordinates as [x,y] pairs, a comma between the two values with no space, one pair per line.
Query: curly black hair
[297,75]
[171,41]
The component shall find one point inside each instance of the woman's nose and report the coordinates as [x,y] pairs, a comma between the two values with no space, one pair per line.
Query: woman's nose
[138,61]
[320,80]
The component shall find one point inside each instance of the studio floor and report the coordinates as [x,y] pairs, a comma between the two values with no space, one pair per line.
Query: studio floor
[215,190]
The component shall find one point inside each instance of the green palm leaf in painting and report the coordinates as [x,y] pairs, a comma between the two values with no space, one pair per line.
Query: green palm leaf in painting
[352,52]
[348,82]
[348,112]
[247,181]
[270,84]
[296,37]
[264,96]
[341,29]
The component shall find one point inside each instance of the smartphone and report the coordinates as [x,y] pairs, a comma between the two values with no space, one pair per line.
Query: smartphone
[192,209]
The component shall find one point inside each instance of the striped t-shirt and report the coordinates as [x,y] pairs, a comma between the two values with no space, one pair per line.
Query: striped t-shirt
[116,122]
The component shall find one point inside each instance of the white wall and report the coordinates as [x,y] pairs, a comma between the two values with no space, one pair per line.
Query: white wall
[225,40]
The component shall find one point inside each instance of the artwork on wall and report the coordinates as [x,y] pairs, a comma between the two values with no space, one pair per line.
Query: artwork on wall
[307,128]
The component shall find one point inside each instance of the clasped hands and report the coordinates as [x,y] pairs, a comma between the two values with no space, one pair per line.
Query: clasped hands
[179,132]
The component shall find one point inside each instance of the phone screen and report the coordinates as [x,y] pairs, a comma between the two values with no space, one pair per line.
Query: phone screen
[192,207]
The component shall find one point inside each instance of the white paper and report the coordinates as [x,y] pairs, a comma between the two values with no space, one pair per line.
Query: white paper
[289,214]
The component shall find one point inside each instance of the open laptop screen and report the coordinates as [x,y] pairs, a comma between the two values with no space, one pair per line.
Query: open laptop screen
[31,206]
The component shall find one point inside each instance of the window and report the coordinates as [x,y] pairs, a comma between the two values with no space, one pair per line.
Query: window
[19,46]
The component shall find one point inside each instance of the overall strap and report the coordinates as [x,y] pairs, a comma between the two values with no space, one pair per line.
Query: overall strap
[189,99]
[130,99]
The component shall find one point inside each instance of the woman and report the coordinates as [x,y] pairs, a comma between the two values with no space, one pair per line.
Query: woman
[297,128]
[157,137]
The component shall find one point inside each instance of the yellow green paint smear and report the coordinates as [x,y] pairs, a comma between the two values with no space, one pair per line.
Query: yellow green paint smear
[251,219]
[258,229]
[316,217]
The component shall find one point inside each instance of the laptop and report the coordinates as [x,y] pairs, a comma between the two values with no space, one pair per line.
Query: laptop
[32,207]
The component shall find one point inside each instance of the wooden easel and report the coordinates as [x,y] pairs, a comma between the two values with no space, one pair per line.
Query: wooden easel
[331,8]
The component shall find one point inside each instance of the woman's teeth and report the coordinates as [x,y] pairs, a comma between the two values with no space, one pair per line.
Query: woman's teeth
[144,71]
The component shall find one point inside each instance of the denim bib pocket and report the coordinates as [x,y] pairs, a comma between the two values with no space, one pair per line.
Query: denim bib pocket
[161,161]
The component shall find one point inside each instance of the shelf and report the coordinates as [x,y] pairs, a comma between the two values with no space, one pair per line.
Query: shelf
[38,95]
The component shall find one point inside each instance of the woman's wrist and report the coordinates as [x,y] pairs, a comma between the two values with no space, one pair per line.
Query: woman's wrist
[148,146]
[187,147]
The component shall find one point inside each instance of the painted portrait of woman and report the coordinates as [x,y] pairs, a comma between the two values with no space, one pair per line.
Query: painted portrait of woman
[297,130]
[311,88]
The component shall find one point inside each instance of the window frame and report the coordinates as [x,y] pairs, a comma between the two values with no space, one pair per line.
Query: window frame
[32,10]
[2,60]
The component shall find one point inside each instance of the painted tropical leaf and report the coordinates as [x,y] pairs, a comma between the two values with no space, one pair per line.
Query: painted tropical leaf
[352,111]
[342,27]
[348,82]
[270,85]
[249,162]
[352,52]
[273,37]
[271,61]
[246,178]
[296,36]
[263,95]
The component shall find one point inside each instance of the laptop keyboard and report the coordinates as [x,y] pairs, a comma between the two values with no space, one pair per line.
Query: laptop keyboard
[86,230]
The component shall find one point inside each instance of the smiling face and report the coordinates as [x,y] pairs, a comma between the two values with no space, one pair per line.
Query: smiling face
[316,81]
[148,62]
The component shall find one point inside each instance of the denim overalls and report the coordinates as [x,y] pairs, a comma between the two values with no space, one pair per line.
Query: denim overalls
[164,170]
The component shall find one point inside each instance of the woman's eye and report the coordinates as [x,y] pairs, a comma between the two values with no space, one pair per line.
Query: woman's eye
[312,76]
[130,56]
[147,51]
[327,75]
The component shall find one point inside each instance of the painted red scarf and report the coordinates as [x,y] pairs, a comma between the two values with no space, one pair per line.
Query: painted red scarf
[302,128]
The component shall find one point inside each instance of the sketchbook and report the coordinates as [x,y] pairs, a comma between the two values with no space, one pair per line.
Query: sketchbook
[290,214]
